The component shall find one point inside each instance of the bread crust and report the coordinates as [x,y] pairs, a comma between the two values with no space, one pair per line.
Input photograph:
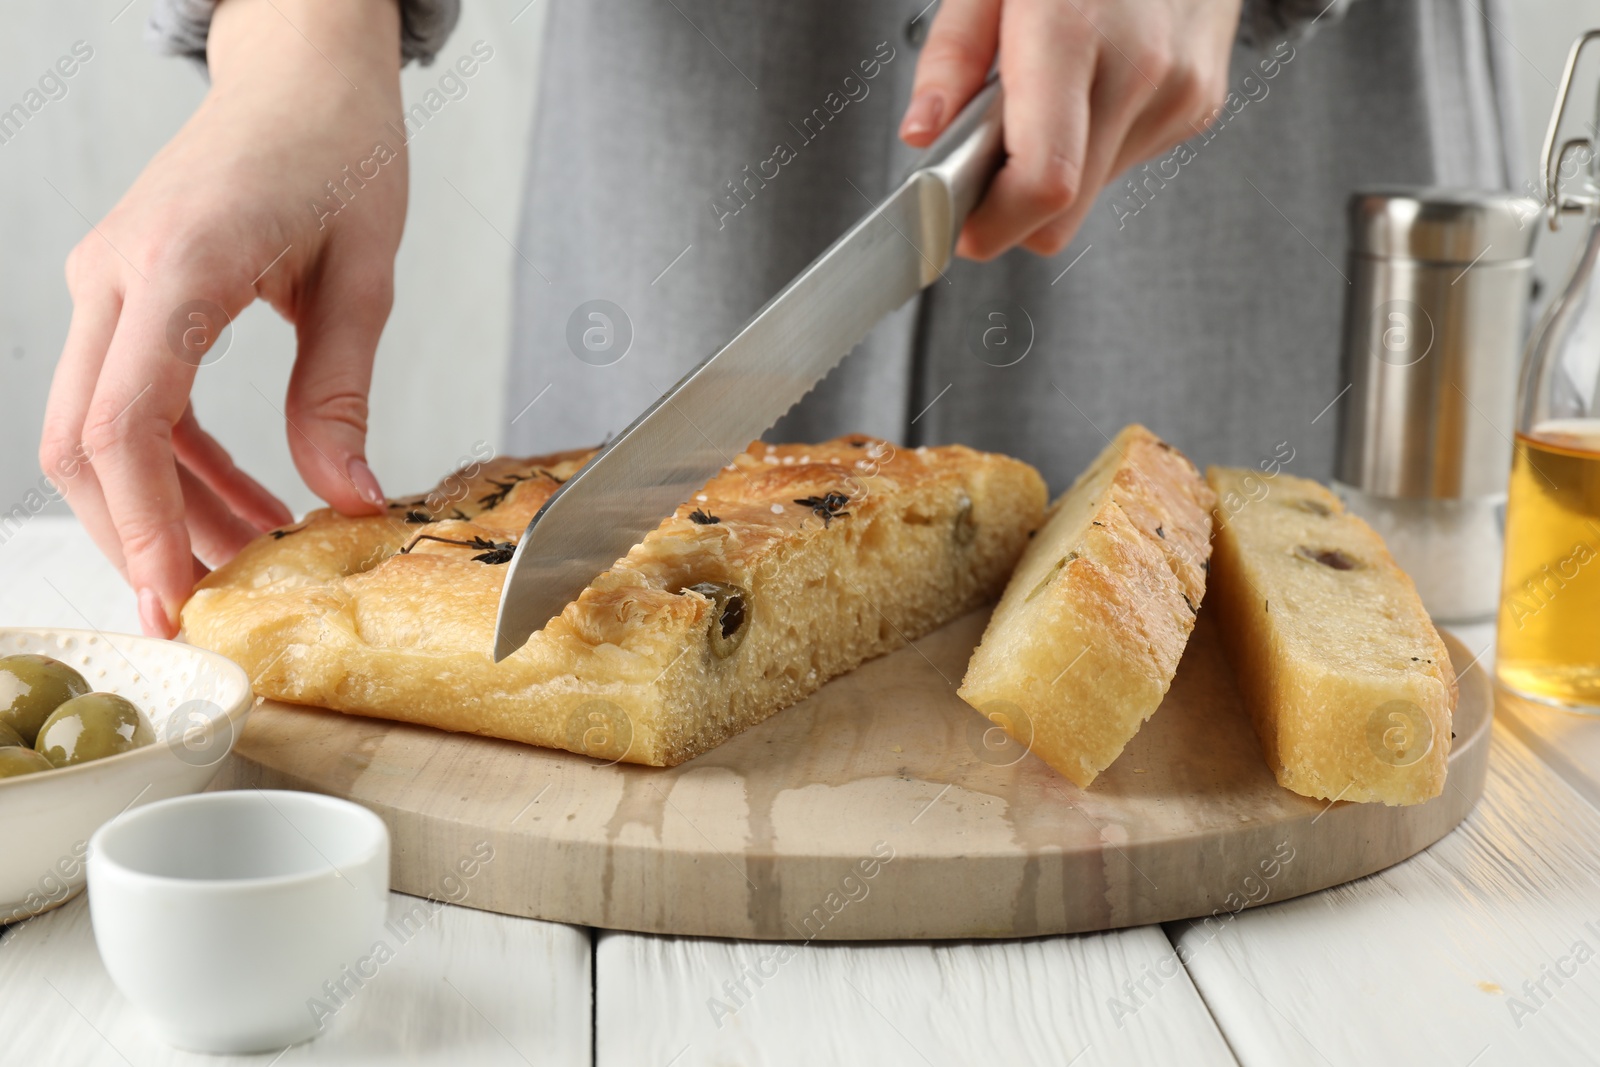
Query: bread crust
[372,616]
[1348,682]
[1088,635]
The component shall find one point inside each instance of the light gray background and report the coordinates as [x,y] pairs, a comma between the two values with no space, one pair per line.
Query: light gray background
[437,391]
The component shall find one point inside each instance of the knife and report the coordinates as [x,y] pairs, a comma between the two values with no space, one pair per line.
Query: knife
[736,395]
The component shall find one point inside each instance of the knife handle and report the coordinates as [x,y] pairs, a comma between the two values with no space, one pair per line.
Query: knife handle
[956,169]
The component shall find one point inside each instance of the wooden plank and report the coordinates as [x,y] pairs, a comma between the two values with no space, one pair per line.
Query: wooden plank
[1485,949]
[463,986]
[1568,741]
[689,1001]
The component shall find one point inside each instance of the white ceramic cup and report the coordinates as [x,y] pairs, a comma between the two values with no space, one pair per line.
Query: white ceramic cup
[222,915]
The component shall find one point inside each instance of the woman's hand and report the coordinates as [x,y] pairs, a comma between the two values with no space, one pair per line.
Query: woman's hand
[238,205]
[1092,87]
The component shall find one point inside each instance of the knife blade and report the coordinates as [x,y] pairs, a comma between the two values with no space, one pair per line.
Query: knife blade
[714,412]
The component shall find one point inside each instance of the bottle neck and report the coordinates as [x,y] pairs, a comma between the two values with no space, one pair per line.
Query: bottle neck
[1561,369]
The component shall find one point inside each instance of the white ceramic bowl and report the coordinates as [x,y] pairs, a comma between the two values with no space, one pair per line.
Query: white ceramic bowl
[197,702]
[240,921]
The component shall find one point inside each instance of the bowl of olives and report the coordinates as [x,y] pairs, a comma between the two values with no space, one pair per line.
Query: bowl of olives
[92,724]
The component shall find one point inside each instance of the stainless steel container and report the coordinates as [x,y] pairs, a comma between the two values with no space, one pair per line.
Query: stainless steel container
[1434,324]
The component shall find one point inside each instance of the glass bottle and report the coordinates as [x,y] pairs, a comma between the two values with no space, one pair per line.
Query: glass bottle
[1549,628]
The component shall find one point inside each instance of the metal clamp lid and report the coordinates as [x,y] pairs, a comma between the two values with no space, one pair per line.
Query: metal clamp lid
[1552,158]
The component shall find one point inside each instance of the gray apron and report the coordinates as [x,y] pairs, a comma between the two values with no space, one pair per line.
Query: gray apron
[688,158]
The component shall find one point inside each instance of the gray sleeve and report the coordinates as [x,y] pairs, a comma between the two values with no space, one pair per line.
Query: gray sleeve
[179,27]
[1265,22]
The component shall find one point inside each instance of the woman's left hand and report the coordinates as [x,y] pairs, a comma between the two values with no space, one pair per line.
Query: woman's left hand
[1092,88]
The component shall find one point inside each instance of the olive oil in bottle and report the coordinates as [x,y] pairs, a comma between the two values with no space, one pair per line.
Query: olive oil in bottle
[1549,633]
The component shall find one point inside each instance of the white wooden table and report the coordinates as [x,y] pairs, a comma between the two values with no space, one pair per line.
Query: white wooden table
[1483,950]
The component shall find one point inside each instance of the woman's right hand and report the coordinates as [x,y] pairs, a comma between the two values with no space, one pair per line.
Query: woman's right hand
[240,203]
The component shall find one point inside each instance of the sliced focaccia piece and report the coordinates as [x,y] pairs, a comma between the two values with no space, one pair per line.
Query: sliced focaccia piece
[1088,635]
[1348,682]
[794,564]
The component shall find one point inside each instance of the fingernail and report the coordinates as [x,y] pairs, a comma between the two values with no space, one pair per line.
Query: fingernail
[923,115]
[153,615]
[366,483]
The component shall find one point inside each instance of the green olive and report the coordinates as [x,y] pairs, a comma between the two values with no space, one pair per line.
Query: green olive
[31,687]
[92,727]
[10,738]
[15,761]
[730,611]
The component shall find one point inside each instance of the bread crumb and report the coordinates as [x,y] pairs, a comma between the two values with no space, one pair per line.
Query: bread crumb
[777,509]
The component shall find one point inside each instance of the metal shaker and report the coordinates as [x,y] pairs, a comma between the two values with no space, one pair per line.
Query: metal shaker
[1434,325]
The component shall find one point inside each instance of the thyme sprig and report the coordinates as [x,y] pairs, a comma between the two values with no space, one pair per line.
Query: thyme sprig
[501,490]
[827,507]
[491,552]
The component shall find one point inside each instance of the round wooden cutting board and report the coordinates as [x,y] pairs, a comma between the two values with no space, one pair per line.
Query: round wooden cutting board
[879,808]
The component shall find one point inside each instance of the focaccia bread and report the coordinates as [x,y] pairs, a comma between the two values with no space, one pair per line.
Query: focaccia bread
[1086,639]
[1348,682]
[795,564]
